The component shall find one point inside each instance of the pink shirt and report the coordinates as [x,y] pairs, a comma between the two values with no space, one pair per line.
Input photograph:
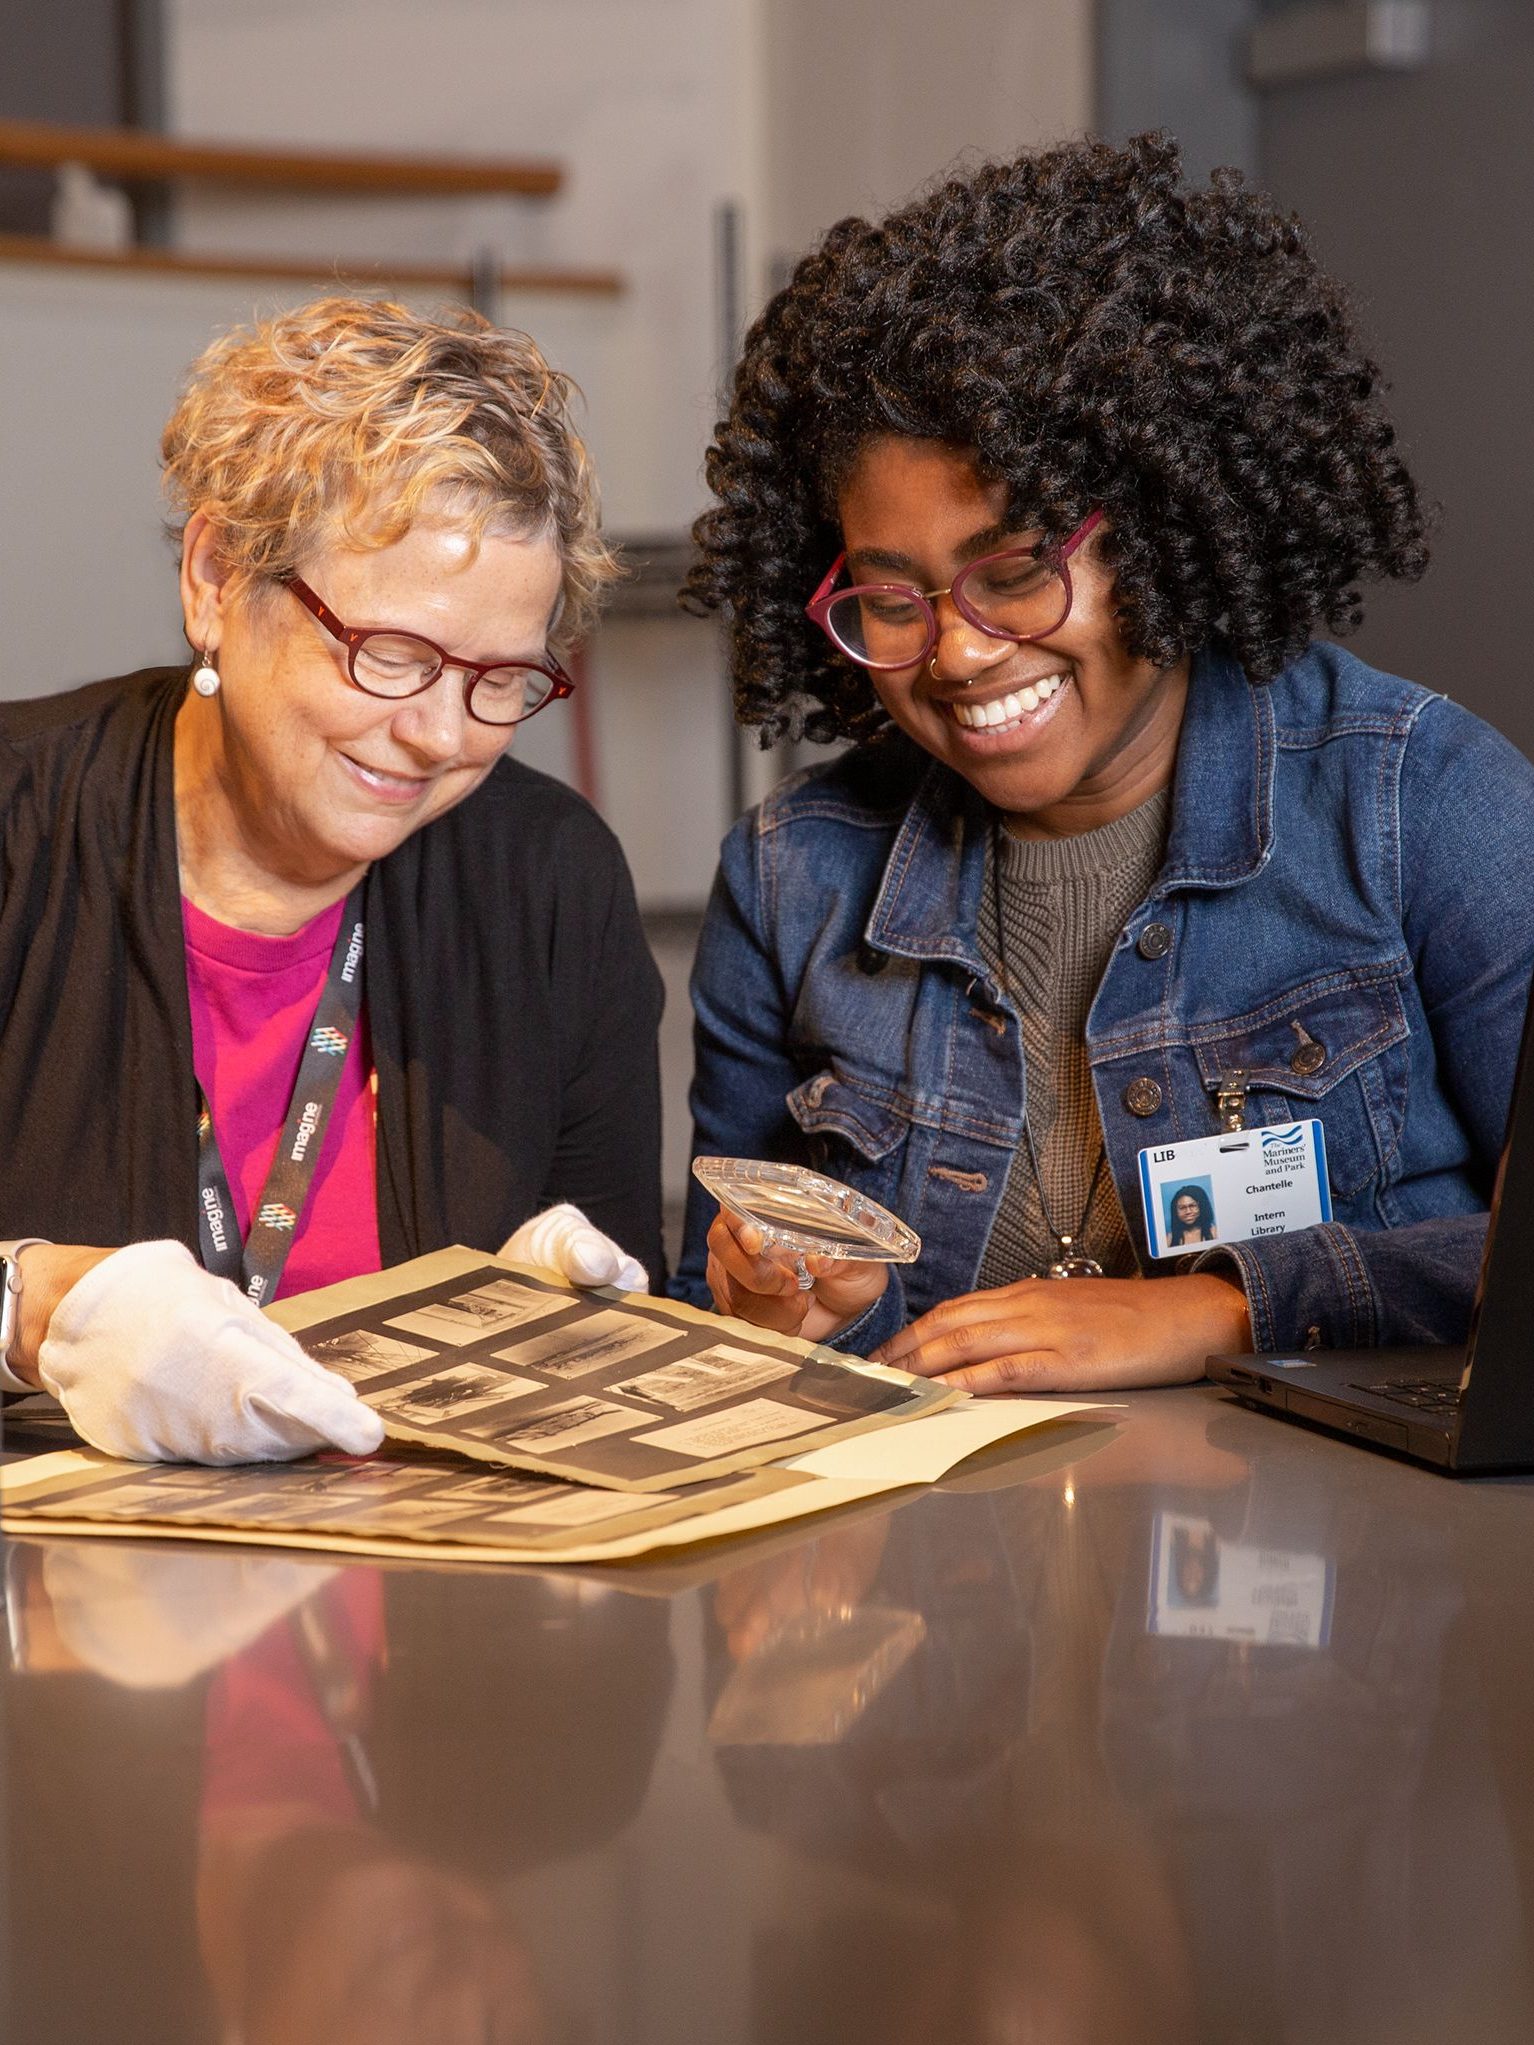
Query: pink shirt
[253,999]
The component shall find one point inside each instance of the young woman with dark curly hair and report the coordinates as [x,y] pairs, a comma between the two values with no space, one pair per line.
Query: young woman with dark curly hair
[1068,465]
[1192,1217]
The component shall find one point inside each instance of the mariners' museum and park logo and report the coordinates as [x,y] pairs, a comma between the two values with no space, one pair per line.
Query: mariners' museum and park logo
[323,1038]
[276,1214]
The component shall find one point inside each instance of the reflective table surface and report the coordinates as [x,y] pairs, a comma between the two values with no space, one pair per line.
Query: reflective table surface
[1198,1727]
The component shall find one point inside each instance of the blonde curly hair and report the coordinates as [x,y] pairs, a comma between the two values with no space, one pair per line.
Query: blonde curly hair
[346,420]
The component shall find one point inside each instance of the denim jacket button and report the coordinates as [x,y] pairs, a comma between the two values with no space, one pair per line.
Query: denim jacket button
[1308,1059]
[1155,941]
[1142,1096]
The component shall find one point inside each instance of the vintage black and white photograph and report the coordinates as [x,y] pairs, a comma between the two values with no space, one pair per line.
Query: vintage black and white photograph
[492,1492]
[363,1353]
[745,1426]
[606,1340]
[407,1494]
[572,1507]
[134,1499]
[633,1396]
[283,1494]
[484,1310]
[274,1508]
[417,1515]
[466,1388]
[200,1477]
[560,1427]
[381,1474]
[706,1379]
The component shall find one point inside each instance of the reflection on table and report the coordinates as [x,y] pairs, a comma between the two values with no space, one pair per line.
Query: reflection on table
[1197,1728]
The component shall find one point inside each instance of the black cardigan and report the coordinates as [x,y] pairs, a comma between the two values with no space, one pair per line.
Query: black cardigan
[511,999]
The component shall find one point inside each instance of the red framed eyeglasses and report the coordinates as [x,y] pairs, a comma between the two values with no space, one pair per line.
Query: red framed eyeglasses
[396,665]
[1021,594]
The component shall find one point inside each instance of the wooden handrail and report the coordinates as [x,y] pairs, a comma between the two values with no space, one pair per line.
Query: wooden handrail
[139,157]
[31,248]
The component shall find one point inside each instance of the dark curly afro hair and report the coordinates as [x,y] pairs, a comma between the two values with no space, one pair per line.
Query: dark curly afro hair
[1098,336]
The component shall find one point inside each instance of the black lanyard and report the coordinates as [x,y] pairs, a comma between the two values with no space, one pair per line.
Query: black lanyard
[257,1265]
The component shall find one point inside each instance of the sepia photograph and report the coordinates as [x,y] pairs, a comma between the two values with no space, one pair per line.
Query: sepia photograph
[739,1427]
[200,1477]
[564,1426]
[503,1489]
[606,1340]
[419,1515]
[274,1508]
[707,1378]
[363,1353]
[466,1388]
[620,1394]
[136,1499]
[569,1507]
[486,1310]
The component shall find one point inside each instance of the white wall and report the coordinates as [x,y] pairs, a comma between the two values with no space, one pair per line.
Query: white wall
[795,110]
[870,98]
[647,102]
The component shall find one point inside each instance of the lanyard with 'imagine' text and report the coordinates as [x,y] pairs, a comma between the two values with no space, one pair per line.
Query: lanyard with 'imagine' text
[256,1265]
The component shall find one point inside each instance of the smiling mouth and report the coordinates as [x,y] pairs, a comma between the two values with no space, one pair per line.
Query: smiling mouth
[385,783]
[1009,712]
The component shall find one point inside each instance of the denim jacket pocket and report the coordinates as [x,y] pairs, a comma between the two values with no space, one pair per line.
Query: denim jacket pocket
[831,1104]
[1332,1048]
[851,1131]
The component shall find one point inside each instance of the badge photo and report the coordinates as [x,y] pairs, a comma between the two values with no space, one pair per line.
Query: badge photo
[1234,1187]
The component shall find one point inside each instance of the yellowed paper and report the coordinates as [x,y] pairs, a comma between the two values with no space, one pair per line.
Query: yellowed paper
[869,1472]
[509,1365]
[413,1497]
[925,1451]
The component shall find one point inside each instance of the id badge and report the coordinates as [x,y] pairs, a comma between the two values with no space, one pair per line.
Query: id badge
[1234,1187]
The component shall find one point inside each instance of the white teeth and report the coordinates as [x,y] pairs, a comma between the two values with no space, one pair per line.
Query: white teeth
[1006,709]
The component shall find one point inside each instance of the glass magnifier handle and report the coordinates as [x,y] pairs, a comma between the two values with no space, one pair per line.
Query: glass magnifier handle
[801,1273]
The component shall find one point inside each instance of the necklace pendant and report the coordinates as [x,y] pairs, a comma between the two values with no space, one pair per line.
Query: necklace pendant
[1071,1264]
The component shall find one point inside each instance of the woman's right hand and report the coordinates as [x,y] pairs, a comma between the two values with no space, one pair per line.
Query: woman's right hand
[154,1359]
[760,1285]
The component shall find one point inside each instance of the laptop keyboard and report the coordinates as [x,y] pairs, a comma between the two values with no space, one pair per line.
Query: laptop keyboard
[1431,1397]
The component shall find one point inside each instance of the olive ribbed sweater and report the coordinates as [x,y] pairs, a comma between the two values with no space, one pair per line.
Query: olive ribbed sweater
[1063,902]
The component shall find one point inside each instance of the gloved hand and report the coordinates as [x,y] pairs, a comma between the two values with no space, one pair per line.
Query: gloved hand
[155,1359]
[563,1240]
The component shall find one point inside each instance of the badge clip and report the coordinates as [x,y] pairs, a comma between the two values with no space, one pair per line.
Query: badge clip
[1230,1100]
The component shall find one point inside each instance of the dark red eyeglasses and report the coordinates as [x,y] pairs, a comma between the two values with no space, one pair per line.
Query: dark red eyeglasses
[1022,593]
[400,664]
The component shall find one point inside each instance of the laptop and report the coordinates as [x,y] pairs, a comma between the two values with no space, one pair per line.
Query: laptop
[1465,1408]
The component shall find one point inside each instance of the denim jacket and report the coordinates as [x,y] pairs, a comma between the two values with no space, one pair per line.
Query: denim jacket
[1345,913]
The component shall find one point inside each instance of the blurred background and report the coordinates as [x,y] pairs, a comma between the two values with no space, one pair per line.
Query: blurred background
[628,180]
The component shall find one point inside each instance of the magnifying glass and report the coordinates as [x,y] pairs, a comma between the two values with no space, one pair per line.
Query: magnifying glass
[807,1214]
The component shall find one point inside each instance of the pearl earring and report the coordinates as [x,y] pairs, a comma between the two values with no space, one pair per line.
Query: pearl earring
[206,679]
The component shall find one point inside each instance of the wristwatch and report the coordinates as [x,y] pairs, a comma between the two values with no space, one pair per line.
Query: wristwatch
[10,1309]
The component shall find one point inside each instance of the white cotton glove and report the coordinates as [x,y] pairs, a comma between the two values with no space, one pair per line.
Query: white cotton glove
[562,1239]
[155,1359]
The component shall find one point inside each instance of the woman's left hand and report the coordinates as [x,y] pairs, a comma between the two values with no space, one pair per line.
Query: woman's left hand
[1075,1334]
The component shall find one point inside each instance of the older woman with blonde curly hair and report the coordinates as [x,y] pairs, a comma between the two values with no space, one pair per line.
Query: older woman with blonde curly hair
[302,974]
